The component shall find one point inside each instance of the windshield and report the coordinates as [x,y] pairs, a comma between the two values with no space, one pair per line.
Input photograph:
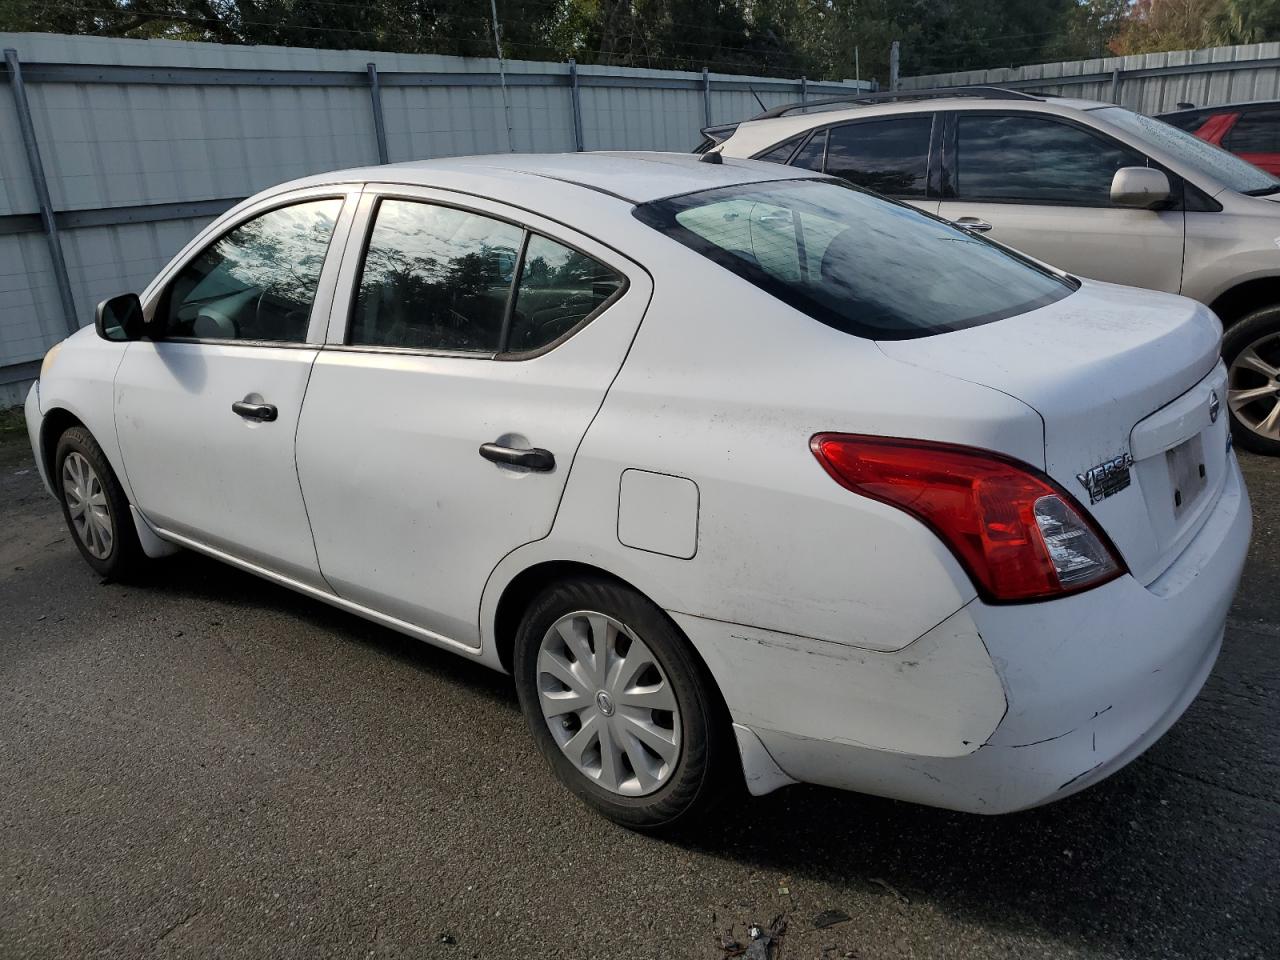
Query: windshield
[1205,158]
[853,260]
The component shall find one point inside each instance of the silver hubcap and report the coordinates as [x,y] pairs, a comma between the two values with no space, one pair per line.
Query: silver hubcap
[1253,386]
[87,505]
[608,703]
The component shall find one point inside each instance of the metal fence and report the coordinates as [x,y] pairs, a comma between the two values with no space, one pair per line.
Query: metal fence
[1148,83]
[114,152]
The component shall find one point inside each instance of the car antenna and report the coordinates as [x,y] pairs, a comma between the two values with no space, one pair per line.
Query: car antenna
[757,96]
[711,156]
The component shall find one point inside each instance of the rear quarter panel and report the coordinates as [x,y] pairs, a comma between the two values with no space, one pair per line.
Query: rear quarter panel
[725,386]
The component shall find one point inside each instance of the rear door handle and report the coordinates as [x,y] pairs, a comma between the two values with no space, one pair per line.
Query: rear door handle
[535,458]
[265,412]
[973,224]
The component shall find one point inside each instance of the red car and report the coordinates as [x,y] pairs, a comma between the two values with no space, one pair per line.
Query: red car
[1249,130]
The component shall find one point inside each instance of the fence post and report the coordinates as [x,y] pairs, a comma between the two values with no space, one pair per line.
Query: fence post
[36,166]
[893,65]
[1115,85]
[379,127]
[577,104]
[804,90]
[706,96]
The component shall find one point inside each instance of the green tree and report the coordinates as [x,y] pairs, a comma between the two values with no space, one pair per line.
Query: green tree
[1245,21]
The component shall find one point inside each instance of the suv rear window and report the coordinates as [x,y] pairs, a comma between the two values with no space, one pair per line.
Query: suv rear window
[863,264]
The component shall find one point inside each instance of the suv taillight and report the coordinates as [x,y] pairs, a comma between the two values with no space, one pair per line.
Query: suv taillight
[1018,534]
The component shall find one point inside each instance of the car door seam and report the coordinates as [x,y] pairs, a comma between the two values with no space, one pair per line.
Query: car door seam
[302,402]
[572,459]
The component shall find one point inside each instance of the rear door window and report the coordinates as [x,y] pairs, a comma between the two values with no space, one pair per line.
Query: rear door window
[1257,131]
[560,288]
[783,151]
[1029,159]
[888,156]
[860,263]
[435,278]
[811,155]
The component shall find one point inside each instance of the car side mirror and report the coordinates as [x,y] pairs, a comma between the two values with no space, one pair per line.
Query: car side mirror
[1142,188]
[120,318]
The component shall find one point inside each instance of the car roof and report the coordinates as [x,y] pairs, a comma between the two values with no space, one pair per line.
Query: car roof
[633,177]
[762,133]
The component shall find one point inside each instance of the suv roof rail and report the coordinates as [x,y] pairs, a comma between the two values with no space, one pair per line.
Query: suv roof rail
[985,93]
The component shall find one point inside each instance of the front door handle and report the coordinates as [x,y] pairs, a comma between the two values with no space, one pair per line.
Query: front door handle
[535,458]
[973,224]
[264,412]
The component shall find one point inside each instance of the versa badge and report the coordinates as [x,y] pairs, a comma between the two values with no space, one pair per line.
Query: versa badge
[1108,477]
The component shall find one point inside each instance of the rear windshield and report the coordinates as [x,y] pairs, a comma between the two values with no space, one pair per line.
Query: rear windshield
[854,260]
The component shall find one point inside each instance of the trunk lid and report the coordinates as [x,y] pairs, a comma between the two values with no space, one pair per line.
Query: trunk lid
[1124,381]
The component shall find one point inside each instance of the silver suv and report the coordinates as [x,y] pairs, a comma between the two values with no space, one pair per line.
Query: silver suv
[1091,188]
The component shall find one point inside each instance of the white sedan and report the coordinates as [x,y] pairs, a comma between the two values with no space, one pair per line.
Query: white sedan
[744,474]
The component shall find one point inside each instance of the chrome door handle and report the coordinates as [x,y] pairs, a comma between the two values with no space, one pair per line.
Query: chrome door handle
[972,224]
[535,458]
[264,412]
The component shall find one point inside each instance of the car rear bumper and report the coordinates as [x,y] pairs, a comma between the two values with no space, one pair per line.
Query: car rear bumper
[1086,684]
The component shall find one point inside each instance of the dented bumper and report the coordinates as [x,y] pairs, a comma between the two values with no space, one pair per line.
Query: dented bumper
[1086,684]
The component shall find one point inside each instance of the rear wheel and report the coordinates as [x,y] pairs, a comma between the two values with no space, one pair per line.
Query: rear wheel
[95,506]
[1251,349]
[620,706]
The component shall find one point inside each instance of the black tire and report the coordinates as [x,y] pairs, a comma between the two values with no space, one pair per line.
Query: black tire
[1260,327]
[707,769]
[124,559]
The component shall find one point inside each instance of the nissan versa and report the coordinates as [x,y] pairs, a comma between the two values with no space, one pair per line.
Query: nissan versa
[744,473]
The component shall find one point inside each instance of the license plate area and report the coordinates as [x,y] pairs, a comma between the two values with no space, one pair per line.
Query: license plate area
[1188,474]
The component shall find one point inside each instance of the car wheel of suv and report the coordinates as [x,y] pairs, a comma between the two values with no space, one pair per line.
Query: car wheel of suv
[95,506]
[1251,349]
[620,706]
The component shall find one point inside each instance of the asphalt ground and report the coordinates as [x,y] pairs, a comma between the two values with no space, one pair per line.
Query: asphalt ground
[213,766]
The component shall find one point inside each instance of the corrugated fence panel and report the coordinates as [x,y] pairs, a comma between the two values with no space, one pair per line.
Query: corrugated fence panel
[30,314]
[1165,79]
[105,261]
[16,193]
[162,132]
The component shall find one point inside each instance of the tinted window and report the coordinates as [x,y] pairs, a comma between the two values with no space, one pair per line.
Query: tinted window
[559,288]
[257,281]
[811,154]
[1201,157]
[1032,160]
[435,278]
[860,263]
[888,156]
[1257,131]
[782,152]
[1190,122]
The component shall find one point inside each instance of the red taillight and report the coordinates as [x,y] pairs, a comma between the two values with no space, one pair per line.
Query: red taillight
[1018,534]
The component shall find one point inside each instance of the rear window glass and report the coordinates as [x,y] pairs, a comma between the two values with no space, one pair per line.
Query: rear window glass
[1190,122]
[812,153]
[782,152]
[855,261]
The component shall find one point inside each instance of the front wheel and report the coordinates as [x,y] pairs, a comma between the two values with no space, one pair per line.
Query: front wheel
[1251,349]
[95,507]
[620,705]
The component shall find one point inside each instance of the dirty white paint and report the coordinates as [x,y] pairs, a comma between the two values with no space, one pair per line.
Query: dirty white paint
[937,697]
[842,633]
[1093,365]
